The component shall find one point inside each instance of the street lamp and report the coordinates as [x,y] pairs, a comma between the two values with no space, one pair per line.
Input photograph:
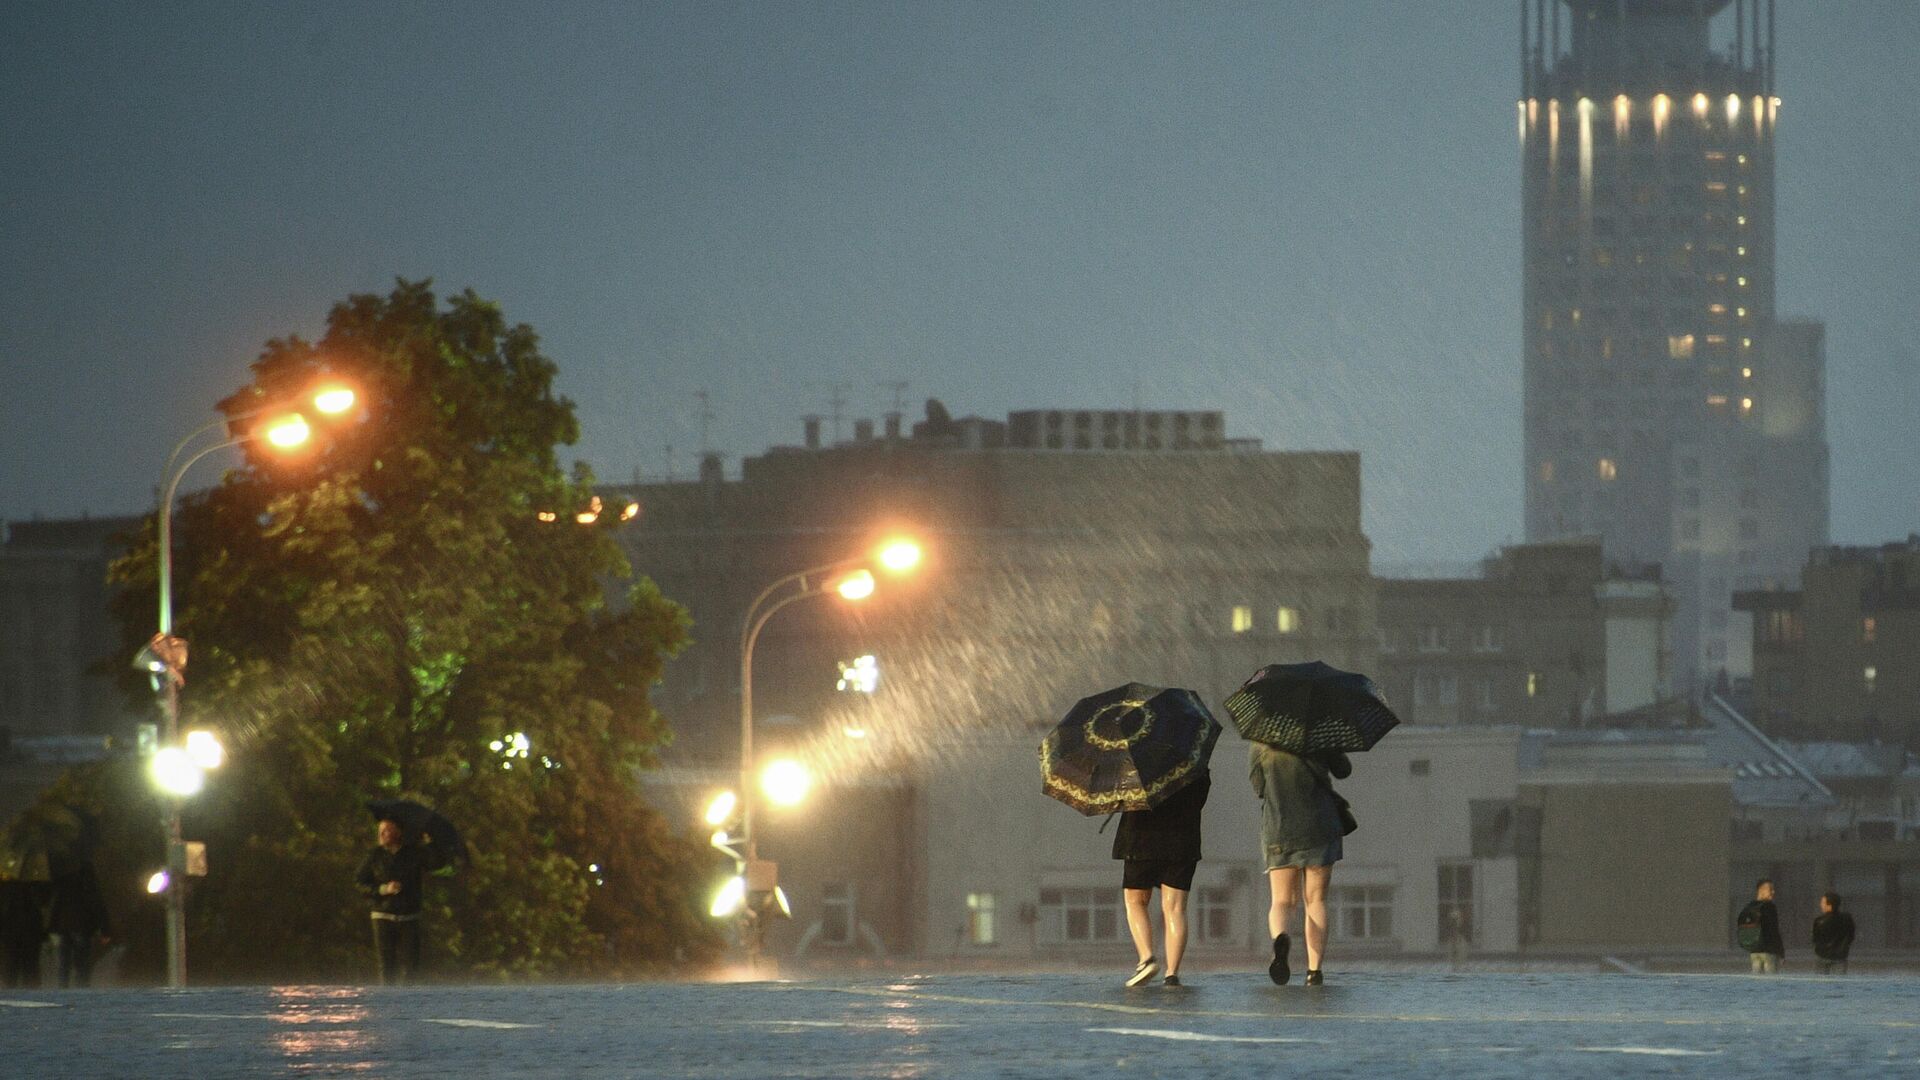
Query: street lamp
[853,580]
[178,769]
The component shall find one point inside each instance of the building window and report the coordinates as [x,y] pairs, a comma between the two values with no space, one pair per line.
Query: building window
[1533,683]
[1361,912]
[1242,619]
[836,914]
[1432,639]
[1286,620]
[1074,916]
[1456,902]
[1483,694]
[1869,630]
[1868,676]
[1488,638]
[1680,347]
[1606,469]
[982,928]
[1213,913]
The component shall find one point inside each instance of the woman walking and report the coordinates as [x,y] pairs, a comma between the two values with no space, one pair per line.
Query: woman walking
[1301,822]
[1161,848]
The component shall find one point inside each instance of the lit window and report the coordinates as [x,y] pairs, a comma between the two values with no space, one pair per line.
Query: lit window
[980,919]
[1242,619]
[1869,630]
[1868,676]
[1716,186]
[1700,105]
[1546,472]
[1716,309]
[1740,251]
[1746,404]
[1740,313]
[1533,683]
[1717,339]
[1741,220]
[1746,373]
[1607,469]
[1286,620]
[1717,400]
[1680,346]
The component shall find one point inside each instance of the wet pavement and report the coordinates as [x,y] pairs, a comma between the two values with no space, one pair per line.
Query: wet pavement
[1365,1024]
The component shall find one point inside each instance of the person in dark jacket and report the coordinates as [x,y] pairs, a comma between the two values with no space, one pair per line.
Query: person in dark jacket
[1161,848]
[23,928]
[78,920]
[392,877]
[1832,936]
[1302,821]
[1759,925]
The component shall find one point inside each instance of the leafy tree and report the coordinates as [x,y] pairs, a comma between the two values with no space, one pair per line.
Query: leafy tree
[377,618]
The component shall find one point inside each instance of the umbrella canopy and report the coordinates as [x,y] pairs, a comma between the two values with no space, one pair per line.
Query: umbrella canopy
[1129,748]
[423,824]
[1313,706]
[46,840]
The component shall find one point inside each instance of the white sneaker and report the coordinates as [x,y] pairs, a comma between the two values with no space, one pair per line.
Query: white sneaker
[1148,969]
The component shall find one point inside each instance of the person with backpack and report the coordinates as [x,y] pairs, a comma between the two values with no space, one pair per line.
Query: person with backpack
[1757,930]
[1832,936]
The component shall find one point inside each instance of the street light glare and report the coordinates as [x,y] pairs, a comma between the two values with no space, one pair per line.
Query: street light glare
[731,897]
[721,808]
[334,400]
[158,883]
[204,749]
[785,782]
[900,556]
[175,772]
[289,431]
[856,586]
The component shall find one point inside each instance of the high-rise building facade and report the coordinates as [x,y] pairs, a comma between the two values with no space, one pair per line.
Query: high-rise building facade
[1668,410]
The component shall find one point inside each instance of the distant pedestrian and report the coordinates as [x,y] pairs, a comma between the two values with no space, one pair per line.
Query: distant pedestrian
[78,920]
[392,877]
[1302,821]
[1757,930]
[23,929]
[1832,936]
[1161,848]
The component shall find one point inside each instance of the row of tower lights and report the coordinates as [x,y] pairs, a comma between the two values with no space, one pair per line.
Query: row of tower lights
[1661,106]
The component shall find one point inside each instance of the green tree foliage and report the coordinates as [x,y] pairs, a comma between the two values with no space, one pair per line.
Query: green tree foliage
[368,617]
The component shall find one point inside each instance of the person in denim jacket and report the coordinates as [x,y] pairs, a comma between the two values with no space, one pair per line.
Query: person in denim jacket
[1302,821]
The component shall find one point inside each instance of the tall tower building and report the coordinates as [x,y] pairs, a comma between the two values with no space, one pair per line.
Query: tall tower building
[1668,411]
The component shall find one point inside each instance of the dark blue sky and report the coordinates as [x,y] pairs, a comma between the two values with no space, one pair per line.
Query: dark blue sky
[1304,213]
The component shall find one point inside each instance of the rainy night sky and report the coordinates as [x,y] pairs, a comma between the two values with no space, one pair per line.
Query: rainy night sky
[1304,213]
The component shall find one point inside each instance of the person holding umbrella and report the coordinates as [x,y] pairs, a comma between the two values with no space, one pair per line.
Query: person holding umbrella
[1141,752]
[392,877]
[1161,847]
[1303,720]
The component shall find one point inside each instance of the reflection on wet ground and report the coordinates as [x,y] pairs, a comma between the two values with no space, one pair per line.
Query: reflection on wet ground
[1482,1025]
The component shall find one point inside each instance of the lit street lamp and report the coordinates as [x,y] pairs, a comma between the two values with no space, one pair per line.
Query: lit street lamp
[853,580]
[178,767]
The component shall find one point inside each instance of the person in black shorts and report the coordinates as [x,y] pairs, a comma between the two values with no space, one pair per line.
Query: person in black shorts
[1160,848]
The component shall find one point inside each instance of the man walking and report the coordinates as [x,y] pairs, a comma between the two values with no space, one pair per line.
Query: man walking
[1757,930]
[1832,936]
[1161,848]
[392,877]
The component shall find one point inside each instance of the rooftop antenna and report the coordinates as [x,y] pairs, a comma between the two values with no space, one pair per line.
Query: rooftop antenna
[899,388]
[706,420]
[837,400]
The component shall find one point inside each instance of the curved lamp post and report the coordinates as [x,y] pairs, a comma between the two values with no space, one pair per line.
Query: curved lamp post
[852,579]
[165,657]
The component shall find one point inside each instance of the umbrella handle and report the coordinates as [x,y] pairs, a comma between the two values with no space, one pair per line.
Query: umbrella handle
[1109,821]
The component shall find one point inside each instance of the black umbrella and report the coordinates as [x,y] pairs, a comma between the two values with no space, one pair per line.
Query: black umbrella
[1311,706]
[1129,748]
[47,840]
[425,825]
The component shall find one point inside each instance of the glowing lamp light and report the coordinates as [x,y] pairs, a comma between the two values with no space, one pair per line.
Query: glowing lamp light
[547,515]
[780,901]
[204,749]
[175,772]
[334,400]
[1700,105]
[900,556]
[861,675]
[289,432]
[730,899]
[1733,107]
[785,782]
[158,883]
[721,808]
[856,586]
[632,511]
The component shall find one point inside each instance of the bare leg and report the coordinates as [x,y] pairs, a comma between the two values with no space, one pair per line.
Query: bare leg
[1139,921]
[1316,895]
[1285,883]
[1173,912]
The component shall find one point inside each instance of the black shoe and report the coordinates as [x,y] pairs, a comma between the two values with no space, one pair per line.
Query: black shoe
[1278,971]
[1313,977]
[1148,969]
[1172,982]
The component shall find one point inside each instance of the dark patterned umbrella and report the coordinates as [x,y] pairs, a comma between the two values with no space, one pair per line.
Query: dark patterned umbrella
[1311,706]
[1129,748]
